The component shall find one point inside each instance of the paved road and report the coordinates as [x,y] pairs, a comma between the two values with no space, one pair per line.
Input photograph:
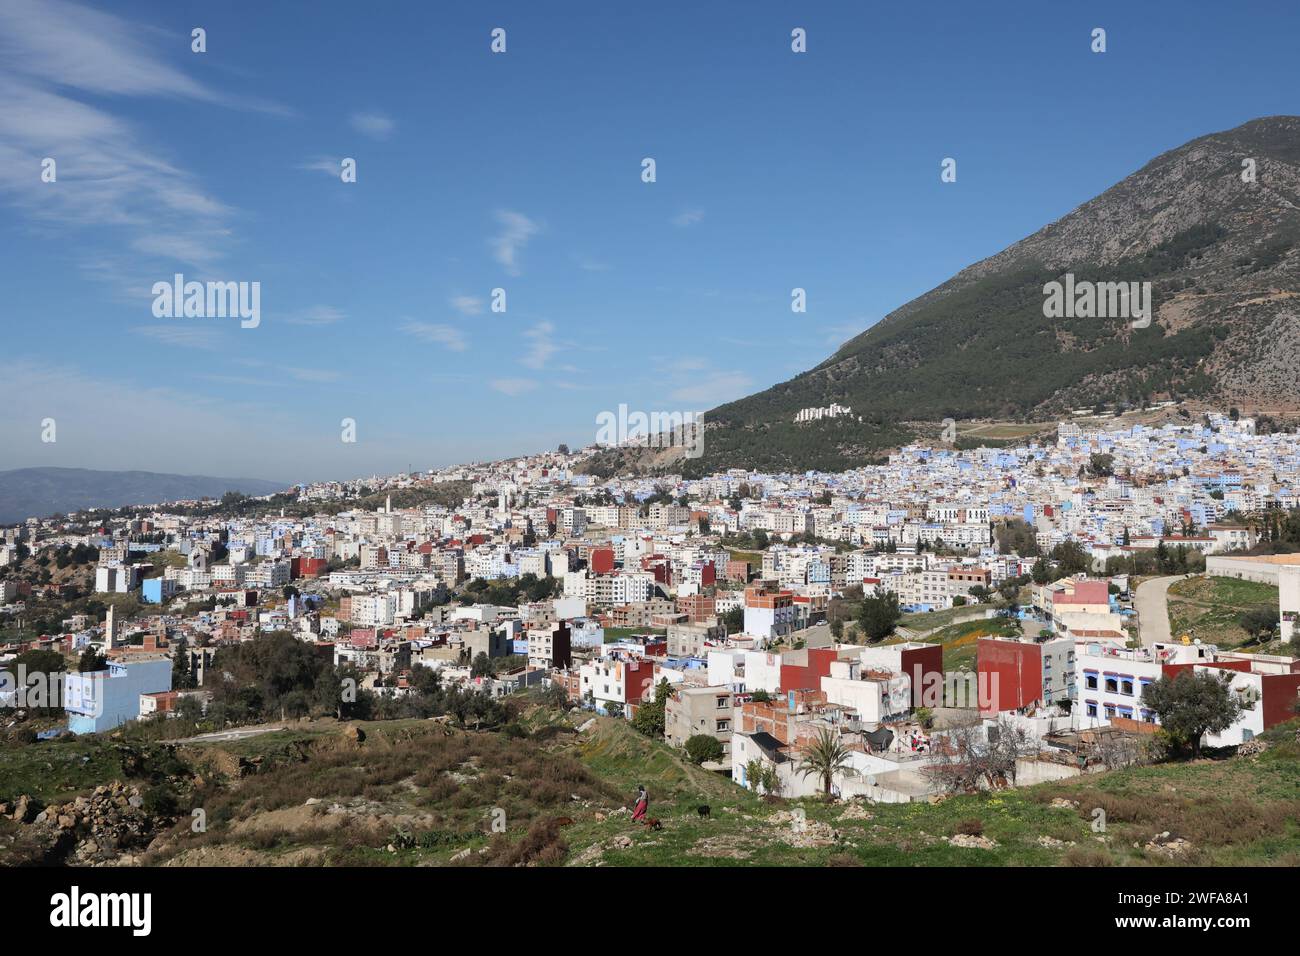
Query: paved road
[237,733]
[1152,605]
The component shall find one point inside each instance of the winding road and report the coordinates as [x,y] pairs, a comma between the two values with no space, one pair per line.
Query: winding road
[1151,601]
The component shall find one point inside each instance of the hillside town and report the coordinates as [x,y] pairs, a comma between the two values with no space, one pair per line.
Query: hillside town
[717,606]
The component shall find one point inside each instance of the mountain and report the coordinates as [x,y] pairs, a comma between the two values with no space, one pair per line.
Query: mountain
[1219,253]
[37,492]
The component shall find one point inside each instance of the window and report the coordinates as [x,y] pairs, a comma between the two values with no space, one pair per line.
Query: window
[1126,686]
[1112,685]
[1092,709]
[1090,681]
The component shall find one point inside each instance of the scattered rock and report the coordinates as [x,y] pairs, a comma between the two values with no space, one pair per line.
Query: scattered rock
[971,842]
[89,831]
[1252,748]
[1164,844]
[1060,803]
[588,857]
[24,809]
[721,847]
[803,832]
[1052,843]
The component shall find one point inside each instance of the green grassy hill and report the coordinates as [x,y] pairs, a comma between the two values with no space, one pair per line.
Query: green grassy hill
[421,793]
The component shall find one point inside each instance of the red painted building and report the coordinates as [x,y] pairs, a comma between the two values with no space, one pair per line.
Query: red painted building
[311,567]
[808,676]
[924,666]
[1018,667]
[602,560]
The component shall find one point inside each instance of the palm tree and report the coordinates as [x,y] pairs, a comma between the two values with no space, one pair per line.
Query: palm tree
[824,757]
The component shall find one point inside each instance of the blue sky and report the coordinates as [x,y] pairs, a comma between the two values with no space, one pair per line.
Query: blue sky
[522,171]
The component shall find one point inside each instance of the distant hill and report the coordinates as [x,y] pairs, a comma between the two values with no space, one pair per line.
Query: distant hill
[1222,258]
[39,492]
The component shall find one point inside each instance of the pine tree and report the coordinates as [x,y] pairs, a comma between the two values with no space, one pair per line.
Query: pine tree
[181,677]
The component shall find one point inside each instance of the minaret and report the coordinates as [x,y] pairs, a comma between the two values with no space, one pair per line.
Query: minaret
[388,505]
[110,630]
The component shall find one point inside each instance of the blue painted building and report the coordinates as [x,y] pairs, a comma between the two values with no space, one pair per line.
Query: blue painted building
[101,700]
[157,590]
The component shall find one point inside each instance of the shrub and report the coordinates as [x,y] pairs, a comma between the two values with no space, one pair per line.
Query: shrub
[1086,856]
[542,845]
[702,747]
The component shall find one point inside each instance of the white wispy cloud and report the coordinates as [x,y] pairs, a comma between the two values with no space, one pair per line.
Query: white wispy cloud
[374,125]
[697,381]
[513,386]
[186,336]
[331,166]
[66,44]
[71,45]
[516,230]
[467,304]
[316,315]
[688,217]
[447,336]
[542,345]
[61,65]
[713,388]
